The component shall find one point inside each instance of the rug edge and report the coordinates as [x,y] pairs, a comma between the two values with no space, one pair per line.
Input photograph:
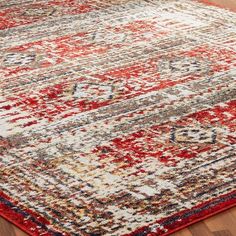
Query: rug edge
[27,231]
[200,219]
[213,210]
[19,226]
[32,225]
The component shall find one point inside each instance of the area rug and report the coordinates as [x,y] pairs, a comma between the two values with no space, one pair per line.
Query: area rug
[116,117]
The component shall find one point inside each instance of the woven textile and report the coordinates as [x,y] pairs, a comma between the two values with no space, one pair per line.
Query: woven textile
[116,117]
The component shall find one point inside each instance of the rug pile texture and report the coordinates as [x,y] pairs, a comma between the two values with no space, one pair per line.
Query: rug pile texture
[116,117]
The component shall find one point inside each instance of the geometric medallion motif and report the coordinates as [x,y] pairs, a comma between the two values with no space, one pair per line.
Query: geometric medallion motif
[184,66]
[193,135]
[18,59]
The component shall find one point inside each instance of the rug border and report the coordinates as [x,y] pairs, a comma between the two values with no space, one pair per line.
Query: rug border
[19,226]
[32,224]
[213,210]
[26,230]
[200,219]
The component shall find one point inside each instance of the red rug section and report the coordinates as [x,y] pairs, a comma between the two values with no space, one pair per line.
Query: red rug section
[17,217]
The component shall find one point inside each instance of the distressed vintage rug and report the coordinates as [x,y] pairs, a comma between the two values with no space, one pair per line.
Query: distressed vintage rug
[116,117]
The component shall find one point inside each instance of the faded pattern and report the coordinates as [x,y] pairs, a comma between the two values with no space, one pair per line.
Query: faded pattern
[116,117]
